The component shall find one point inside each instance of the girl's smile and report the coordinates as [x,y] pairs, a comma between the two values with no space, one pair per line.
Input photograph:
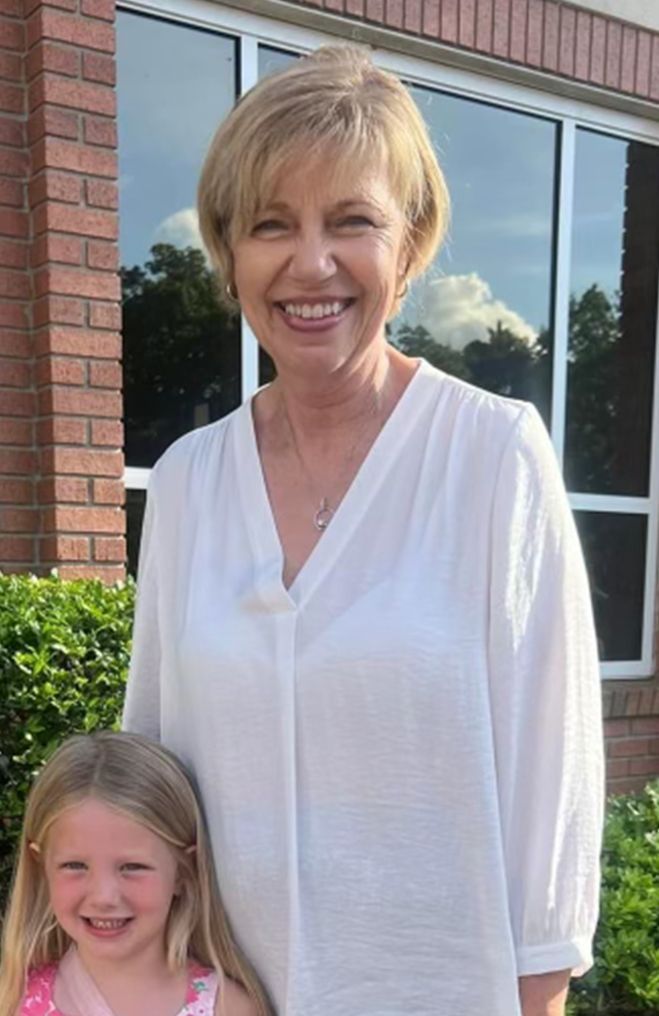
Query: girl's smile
[111,881]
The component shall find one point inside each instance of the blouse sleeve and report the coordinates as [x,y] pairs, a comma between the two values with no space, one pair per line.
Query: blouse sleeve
[546,707]
[142,702]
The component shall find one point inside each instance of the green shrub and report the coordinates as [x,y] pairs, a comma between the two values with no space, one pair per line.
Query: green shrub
[64,649]
[625,978]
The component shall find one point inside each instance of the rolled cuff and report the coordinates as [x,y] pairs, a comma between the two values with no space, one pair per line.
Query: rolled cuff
[575,954]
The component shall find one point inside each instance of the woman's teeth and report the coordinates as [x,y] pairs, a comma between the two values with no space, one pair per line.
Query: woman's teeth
[314,310]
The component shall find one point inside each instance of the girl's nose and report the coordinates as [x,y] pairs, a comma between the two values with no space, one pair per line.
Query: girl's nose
[104,890]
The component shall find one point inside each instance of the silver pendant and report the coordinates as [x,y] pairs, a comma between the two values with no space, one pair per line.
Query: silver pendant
[323,516]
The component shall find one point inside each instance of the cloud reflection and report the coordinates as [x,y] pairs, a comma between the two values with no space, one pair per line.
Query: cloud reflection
[458,309]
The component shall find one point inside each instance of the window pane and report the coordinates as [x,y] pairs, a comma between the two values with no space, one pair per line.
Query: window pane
[483,311]
[181,352]
[613,315]
[135,505]
[270,61]
[273,60]
[614,548]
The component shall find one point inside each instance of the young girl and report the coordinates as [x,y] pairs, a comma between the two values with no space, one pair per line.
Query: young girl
[115,910]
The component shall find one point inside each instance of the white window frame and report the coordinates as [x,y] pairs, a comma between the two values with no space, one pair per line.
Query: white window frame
[251,30]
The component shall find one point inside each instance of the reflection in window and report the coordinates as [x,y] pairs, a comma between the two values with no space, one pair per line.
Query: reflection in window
[483,312]
[272,60]
[614,547]
[135,504]
[181,352]
[613,315]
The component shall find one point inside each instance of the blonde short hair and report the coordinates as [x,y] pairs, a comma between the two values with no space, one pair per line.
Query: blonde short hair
[147,783]
[335,100]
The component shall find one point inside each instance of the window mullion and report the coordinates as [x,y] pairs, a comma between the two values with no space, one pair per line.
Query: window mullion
[249,75]
[651,573]
[136,477]
[561,295]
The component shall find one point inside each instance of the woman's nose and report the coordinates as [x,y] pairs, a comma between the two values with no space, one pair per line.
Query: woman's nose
[313,258]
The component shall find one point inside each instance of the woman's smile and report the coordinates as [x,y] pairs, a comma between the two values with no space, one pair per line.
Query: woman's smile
[325,259]
[314,315]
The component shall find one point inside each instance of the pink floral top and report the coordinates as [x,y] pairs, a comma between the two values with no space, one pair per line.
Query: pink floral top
[38,998]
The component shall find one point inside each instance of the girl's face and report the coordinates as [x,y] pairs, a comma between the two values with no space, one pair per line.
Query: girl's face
[318,273]
[111,883]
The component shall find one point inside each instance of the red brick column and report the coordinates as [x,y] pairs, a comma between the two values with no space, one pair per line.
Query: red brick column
[18,515]
[70,77]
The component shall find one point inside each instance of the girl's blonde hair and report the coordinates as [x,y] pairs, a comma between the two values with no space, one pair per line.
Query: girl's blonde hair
[148,784]
[337,104]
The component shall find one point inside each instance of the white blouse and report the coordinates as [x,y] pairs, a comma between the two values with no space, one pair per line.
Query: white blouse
[400,756]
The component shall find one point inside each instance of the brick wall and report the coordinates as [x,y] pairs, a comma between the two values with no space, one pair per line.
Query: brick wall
[632,751]
[17,402]
[60,402]
[548,35]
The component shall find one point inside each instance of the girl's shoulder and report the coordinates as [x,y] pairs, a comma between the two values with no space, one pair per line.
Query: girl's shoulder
[236,1001]
[38,997]
[203,986]
[204,996]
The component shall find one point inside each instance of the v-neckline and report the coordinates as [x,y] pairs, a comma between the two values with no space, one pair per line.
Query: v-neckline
[195,972]
[259,514]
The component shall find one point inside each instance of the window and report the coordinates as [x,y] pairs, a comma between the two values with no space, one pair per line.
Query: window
[182,355]
[611,356]
[546,290]
[484,309]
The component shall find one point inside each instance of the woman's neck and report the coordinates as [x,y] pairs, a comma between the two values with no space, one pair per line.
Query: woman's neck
[318,411]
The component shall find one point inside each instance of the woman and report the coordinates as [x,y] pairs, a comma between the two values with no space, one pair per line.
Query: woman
[363,616]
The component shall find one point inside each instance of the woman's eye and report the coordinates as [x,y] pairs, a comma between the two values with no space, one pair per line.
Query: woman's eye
[269,226]
[355,221]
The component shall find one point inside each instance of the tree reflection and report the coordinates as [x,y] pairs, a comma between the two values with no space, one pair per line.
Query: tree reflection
[509,364]
[593,396]
[181,351]
[505,363]
[182,364]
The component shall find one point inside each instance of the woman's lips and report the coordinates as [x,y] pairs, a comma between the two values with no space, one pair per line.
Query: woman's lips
[313,317]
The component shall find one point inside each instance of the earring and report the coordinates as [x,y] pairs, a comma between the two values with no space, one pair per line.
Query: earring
[232,292]
[403,292]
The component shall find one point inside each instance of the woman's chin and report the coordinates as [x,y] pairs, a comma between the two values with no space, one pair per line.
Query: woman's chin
[322,352]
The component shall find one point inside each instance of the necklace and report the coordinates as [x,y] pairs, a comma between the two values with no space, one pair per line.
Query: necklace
[323,516]
[325,511]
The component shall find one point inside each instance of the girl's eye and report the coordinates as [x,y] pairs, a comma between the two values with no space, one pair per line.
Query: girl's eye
[134,866]
[73,866]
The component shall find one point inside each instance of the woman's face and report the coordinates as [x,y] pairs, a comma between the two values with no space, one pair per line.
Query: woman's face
[318,272]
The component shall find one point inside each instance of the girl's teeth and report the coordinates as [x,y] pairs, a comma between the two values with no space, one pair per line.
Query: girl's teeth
[107,925]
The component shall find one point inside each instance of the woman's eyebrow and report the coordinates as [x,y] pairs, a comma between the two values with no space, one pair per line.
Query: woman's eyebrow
[349,202]
[282,206]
